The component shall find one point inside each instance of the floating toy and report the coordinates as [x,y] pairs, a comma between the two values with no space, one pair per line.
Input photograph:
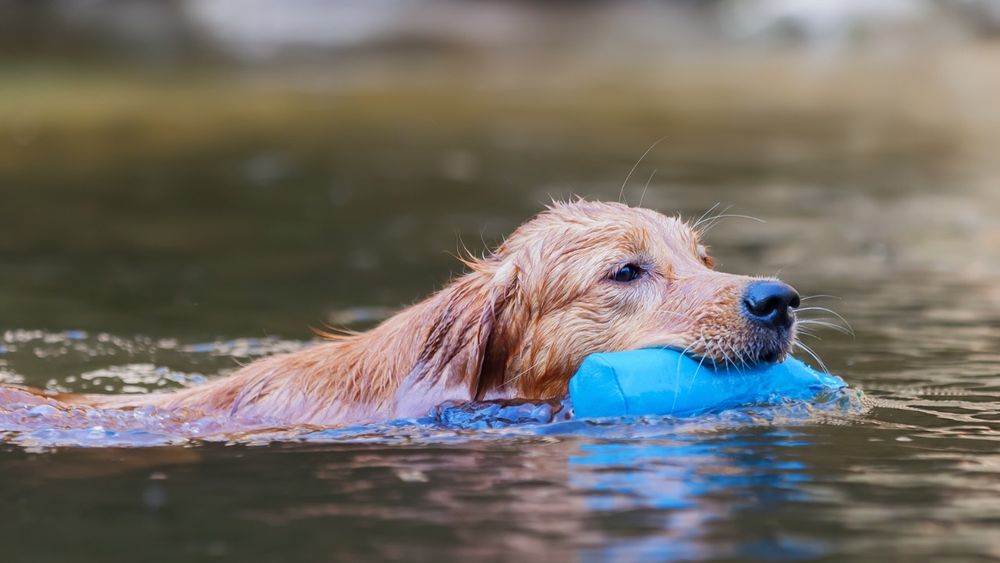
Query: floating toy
[659,381]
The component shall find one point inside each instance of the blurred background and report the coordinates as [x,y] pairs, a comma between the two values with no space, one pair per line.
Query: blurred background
[188,184]
[225,167]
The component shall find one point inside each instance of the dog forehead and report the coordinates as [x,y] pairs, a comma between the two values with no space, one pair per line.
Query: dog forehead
[671,234]
[571,229]
[634,229]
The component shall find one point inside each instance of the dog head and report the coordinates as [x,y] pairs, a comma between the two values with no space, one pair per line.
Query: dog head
[587,277]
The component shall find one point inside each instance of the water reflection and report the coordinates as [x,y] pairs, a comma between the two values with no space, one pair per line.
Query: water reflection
[676,489]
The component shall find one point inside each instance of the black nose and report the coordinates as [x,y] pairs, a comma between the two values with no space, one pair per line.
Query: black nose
[770,303]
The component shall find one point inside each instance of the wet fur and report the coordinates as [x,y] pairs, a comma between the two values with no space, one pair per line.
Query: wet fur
[517,325]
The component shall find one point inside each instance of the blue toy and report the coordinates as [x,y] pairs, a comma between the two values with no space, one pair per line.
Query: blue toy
[658,381]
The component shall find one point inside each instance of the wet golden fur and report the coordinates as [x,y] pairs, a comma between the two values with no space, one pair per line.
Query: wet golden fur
[516,325]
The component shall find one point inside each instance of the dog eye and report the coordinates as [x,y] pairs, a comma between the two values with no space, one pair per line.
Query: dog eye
[627,273]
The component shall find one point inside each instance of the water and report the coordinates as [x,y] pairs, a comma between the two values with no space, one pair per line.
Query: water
[131,261]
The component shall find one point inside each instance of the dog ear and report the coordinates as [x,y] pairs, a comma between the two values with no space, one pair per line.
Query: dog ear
[464,352]
[501,331]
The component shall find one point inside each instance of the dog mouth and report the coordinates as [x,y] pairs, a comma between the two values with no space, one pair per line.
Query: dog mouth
[737,362]
[760,351]
[739,353]
[770,355]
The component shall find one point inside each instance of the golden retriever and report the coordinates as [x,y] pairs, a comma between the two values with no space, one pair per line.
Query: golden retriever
[581,277]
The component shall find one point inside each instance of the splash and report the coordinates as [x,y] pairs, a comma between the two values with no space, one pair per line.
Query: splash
[35,422]
[44,425]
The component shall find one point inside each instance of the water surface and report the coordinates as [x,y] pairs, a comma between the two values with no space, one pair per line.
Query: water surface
[163,266]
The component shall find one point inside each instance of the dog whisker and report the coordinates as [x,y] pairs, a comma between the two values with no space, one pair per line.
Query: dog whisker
[743,360]
[822,323]
[621,194]
[814,356]
[726,361]
[805,332]
[736,356]
[710,222]
[832,312]
[646,187]
[718,218]
[819,296]
[683,352]
[694,377]
[705,216]
[701,218]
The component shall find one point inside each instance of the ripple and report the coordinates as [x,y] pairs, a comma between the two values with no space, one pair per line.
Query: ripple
[38,423]
[106,363]
[136,378]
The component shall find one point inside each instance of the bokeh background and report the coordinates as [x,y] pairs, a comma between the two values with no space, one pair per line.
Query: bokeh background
[188,184]
[235,168]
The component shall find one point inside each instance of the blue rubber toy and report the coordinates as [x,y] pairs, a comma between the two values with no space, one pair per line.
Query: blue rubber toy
[658,381]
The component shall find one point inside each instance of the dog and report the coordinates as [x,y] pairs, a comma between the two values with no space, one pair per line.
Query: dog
[580,277]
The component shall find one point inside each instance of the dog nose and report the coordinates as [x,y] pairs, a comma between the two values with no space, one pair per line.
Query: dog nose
[771,303]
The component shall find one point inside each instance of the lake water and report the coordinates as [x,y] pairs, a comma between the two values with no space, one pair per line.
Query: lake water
[152,250]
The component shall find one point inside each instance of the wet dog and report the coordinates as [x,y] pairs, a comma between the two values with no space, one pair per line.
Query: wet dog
[580,277]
